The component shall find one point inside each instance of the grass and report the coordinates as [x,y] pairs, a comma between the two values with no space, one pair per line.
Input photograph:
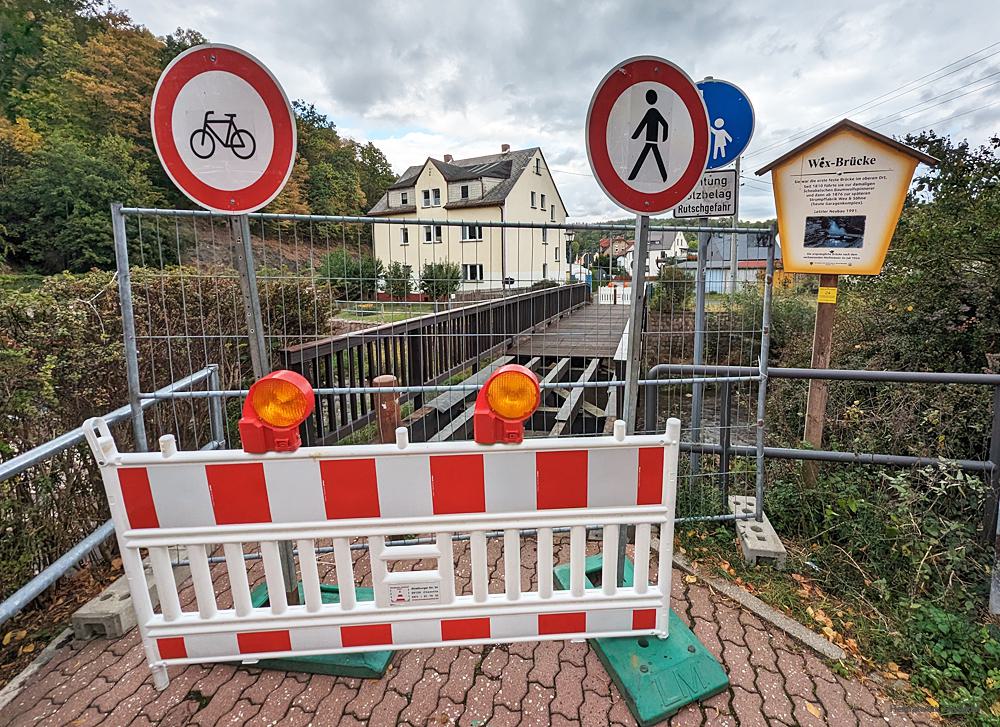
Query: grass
[384,312]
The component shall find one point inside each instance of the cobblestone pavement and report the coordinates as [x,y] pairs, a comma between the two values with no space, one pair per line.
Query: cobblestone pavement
[774,681]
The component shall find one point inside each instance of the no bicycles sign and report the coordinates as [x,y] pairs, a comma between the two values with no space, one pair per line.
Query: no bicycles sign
[223,129]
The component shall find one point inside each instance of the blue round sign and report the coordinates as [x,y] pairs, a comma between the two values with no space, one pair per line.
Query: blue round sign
[730,121]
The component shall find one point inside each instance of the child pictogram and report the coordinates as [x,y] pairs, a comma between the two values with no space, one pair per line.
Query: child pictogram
[651,123]
[720,137]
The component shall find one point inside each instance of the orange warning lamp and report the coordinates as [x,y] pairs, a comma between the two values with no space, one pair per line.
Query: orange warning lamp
[510,396]
[277,404]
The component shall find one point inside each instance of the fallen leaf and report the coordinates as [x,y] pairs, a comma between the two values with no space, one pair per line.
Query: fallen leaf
[814,710]
[892,666]
[14,636]
[26,649]
[933,702]
[690,579]
[902,675]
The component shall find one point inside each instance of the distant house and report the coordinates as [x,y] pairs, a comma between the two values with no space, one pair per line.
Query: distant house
[512,186]
[751,260]
[664,248]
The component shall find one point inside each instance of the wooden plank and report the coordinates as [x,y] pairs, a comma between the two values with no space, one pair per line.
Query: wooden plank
[571,407]
[450,399]
[611,410]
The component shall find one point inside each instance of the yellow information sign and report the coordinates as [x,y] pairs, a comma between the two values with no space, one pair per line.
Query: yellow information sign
[827,295]
[838,198]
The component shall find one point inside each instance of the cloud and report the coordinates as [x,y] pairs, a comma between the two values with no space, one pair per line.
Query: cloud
[425,79]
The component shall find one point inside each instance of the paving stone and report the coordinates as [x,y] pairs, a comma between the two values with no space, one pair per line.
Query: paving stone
[535,706]
[463,670]
[297,718]
[749,707]
[689,716]
[278,701]
[174,694]
[126,710]
[494,662]
[597,679]
[317,688]
[777,705]
[79,701]
[330,709]
[803,716]
[569,691]
[574,652]
[242,711]
[387,711]
[737,661]
[594,710]
[423,699]
[224,697]
[369,695]
[479,702]
[831,696]
[514,683]
[503,717]
[797,681]
[546,663]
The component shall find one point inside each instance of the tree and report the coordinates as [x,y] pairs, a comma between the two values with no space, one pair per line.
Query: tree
[439,280]
[352,278]
[58,209]
[398,280]
[673,291]
[375,173]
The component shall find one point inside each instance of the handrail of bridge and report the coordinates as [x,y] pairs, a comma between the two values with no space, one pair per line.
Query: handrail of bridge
[424,350]
[27,593]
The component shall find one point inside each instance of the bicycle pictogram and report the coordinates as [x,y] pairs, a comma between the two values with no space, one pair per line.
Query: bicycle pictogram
[239,141]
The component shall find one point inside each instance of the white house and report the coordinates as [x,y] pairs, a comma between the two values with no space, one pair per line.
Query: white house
[512,186]
[663,247]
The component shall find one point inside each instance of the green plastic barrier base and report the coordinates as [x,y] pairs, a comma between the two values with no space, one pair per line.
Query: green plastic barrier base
[656,676]
[365,665]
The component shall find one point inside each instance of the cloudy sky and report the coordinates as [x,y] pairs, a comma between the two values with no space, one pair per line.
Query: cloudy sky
[428,78]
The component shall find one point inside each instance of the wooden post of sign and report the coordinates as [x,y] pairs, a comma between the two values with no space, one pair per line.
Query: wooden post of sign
[387,405]
[822,344]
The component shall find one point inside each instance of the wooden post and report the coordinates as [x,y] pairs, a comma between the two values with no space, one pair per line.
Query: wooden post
[387,404]
[822,344]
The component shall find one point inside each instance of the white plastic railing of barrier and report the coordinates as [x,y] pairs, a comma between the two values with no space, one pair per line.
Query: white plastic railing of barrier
[223,501]
[614,295]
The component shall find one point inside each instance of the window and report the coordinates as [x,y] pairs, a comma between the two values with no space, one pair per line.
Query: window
[472,271]
[533,200]
[538,166]
[404,236]
[437,233]
[557,253]
[545,271]
[465,191]
[545,236]
[427,198]
[553,210]
[543,202]
[404,198]
[472,232]
[432,234]
[437,197]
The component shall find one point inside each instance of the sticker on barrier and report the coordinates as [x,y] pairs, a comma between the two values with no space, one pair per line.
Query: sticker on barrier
[217,503]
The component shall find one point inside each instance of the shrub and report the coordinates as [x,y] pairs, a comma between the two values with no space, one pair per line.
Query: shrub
[673,291]
[439,280]
[542,284]
[398,280]
[350,277]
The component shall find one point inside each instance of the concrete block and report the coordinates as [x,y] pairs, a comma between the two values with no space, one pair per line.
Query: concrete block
[110,614]
[758,540]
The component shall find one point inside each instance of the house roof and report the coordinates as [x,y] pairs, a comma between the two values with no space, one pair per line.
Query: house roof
[508,167]
[853,125]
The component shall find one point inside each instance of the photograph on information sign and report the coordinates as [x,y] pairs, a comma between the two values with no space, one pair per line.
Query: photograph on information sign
[841,231]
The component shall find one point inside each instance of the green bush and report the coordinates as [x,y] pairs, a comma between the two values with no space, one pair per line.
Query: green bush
[398,280]
[543,284]
[673,290]
[352,277]
[439,280]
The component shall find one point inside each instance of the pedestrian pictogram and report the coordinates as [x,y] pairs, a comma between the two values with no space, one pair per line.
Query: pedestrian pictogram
[223,129]
[647,135]
[650,125]
[732,120]
[239,141]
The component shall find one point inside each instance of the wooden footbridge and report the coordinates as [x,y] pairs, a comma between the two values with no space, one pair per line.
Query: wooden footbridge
[560,333]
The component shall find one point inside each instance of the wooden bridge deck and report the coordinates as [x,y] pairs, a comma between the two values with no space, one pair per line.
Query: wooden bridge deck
[592,331]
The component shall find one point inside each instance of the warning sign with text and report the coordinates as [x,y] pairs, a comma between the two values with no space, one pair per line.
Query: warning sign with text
[715,196]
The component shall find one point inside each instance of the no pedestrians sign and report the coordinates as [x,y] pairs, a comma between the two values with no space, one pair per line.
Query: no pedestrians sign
[223,129]
[647,135]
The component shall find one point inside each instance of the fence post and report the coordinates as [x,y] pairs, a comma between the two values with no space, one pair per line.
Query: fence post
[698,390]
[993,502]
[216,419]
[240,232]
[128,326]
[725,438]
[387,404]
[765,345]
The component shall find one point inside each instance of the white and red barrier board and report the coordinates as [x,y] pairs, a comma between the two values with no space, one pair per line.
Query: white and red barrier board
[216,503]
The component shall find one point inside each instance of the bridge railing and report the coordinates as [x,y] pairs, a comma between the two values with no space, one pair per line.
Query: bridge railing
[420,351]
